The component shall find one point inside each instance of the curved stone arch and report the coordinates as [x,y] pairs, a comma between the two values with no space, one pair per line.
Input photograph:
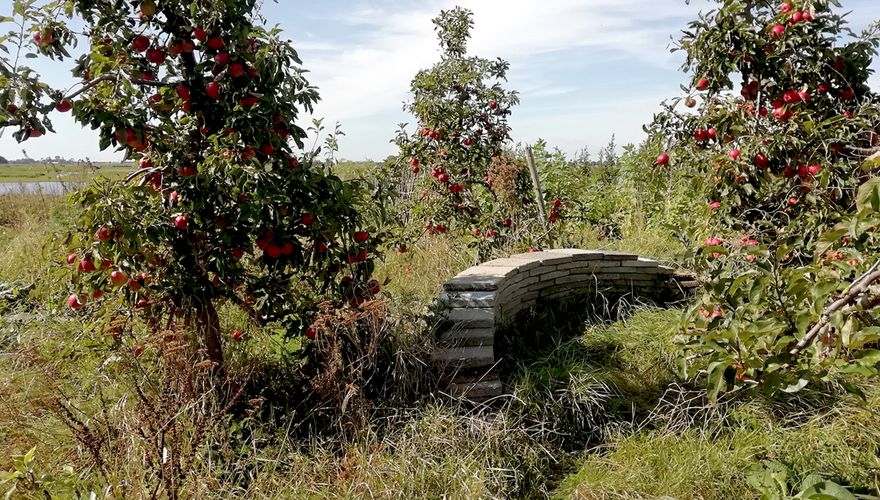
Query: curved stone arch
[478,300]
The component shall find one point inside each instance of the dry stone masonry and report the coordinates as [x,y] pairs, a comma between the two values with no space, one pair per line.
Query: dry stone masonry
[481,299]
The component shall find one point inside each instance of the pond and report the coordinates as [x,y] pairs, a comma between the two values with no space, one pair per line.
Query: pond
[46,188]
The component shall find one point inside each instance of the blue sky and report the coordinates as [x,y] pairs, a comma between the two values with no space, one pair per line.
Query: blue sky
[585,68]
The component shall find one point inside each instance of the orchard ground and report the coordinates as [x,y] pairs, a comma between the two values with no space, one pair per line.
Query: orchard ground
[596,409]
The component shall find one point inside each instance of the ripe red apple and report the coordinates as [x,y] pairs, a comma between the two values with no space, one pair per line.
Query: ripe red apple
[216,43]
[797,17]
[792,202]
[183,92]
[702,84]
[200,34]
[663,159]
[493,105]
[361,236]
[64,106]
[847,94]
[287,248]
[222,58]
[180,222]
[433,134]
[247,101]
[71,259]
[804,96]
[76,301]
[790,97]
[87,265]
[311,333]
[711,133]
[823,88]
[104,234]
[237,335]
[456,188]
[267,149]
[186,171]
[814,169]
[785,8]
[777,30]
[273,251]
[213,90]
[374,287]
[401,248]
[97,294]
[236,70]
[838,64]
[761,160]
[443,178]
[734,154]
[308,219]
[140,43]
[106,263]
[321,246]
[155,56]
[415,169]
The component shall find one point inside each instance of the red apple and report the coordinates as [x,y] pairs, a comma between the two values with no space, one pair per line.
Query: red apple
[237,335]
[792,202]
[200,34]
[797,17]
[106,263]
[711,132]
[180,222]
[64,106]
[663,159]
[823,88]
[140,43]
[87,266]
[311,333]
[104,234]
[222,58]
[213,90]
[267,149]
[308,219]
[702,84]
[273,251]
[287,248]
[785,8]
[72,258]
[777,30]
[761,160]
[215,42]
[76,301]
[183,92]
[361,236]
[493,105]
[236,70]
[155,56]
[734,154]
[97,294]
[847,94]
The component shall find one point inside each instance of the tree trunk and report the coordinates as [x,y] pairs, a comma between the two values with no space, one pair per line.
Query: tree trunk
[208,329]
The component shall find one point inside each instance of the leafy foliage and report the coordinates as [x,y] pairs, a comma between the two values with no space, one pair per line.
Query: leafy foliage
[781,166]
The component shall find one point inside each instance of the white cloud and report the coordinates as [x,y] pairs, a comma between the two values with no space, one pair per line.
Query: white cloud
[371,75]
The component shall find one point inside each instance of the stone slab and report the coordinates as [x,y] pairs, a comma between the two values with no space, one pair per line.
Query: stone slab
[464,358]
[468,299]
[470,317]
[477,391]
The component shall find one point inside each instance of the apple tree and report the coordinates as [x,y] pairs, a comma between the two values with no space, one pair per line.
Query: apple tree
[223,204]
[784,123]
[461,109]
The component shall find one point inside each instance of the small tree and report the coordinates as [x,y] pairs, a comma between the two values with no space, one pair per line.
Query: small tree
[461,109]
[222,205]
[781,160]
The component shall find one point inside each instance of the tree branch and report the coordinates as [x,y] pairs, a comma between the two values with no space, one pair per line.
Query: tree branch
[857,288]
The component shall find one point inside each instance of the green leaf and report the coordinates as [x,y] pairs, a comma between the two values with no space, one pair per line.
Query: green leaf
[869,195]
[715,379]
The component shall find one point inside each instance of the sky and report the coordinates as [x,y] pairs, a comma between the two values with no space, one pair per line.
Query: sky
[585,69]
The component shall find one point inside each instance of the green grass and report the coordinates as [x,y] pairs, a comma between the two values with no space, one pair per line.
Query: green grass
[70,172]
[596,412]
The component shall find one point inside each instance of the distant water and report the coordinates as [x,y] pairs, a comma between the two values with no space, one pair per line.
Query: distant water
[48,187]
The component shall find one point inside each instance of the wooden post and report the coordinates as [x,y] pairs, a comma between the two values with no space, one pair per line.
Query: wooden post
[536,181]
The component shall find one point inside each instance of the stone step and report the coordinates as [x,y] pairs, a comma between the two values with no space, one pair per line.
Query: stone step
[468,299]
[471,337]
[464,358]
[470,317]
[478,391]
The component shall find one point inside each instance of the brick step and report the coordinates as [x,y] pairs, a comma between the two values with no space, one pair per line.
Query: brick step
[469,338]
[477,391]
[463,358]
